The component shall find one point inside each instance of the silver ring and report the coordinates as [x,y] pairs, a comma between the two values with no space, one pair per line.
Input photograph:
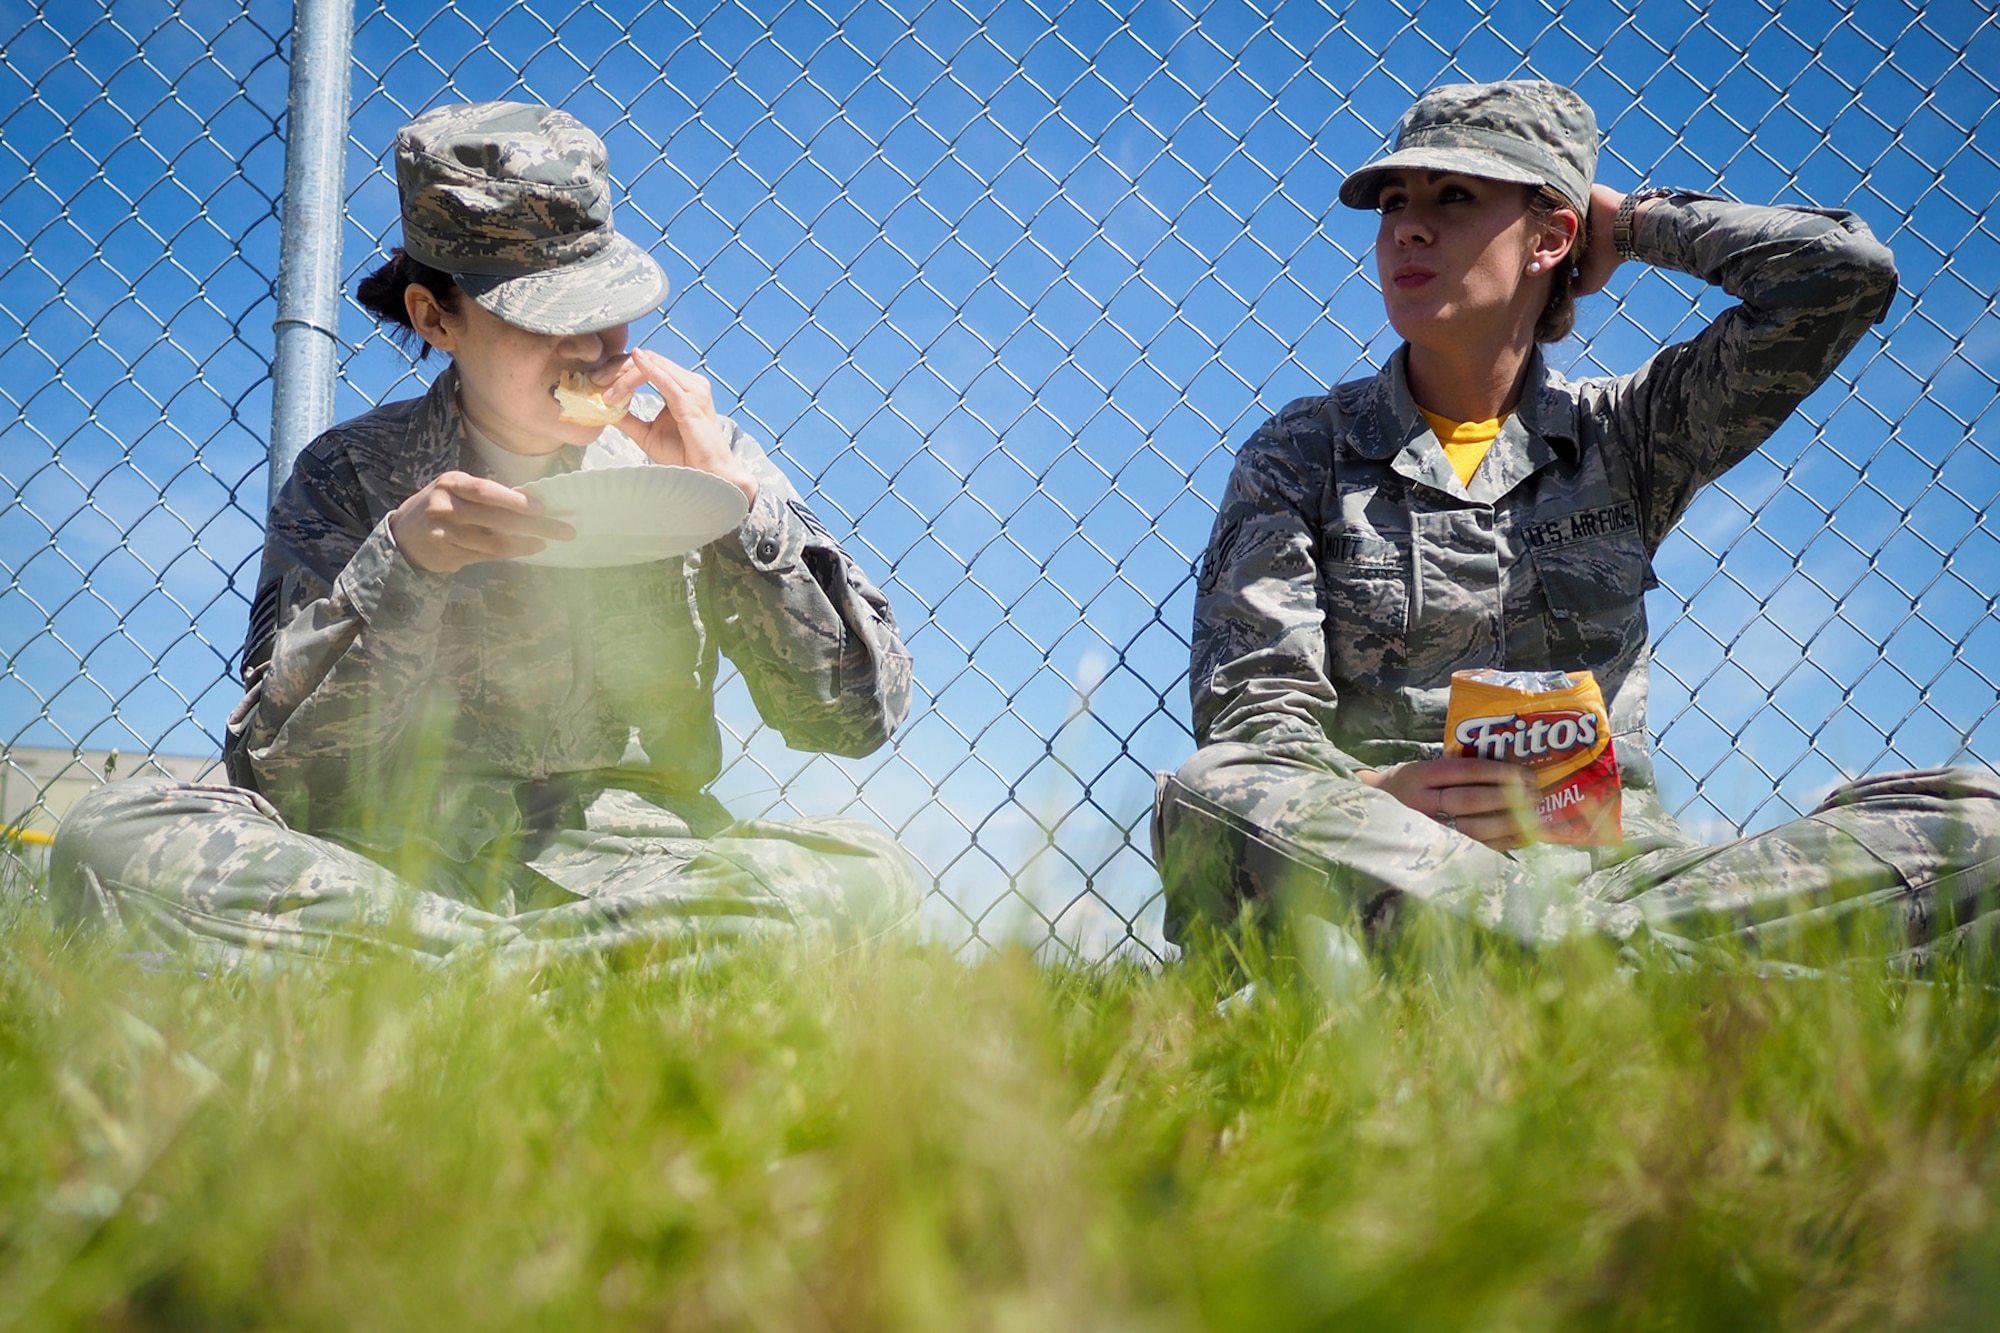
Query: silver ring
[1448,822]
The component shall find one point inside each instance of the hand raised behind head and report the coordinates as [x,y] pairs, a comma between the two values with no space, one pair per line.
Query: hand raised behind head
[1601,260]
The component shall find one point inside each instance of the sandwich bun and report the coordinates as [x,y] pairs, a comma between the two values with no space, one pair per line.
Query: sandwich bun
[582,403]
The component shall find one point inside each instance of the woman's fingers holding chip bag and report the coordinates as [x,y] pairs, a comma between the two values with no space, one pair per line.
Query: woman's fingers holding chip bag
[1487,800]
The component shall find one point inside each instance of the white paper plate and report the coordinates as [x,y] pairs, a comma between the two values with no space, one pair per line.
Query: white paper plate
[629,515]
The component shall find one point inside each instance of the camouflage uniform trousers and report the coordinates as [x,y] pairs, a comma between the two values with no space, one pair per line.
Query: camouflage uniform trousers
[1904,866]
[215,873]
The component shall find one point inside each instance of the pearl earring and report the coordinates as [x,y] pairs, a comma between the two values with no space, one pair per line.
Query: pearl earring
[1535,267]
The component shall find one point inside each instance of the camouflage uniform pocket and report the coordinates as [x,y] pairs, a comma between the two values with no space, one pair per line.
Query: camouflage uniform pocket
[1367,582]
[1594,591]
[460,673]
[459,639]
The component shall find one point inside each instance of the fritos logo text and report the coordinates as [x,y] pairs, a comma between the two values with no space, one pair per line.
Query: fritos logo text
[1563,734]
[1533,736]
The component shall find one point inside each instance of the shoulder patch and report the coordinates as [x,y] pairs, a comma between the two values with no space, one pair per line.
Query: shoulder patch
[1221,548]
[810,519]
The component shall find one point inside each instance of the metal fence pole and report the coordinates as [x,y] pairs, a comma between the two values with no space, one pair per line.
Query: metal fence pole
[308,323]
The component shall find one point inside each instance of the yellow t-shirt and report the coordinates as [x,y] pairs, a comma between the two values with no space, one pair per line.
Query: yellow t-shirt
[1465,442]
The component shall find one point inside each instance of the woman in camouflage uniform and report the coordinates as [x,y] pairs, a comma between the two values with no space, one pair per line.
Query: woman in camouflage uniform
[1468,507]
[441,750]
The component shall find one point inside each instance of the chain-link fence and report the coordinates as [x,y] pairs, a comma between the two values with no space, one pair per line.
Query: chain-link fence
[1003,284]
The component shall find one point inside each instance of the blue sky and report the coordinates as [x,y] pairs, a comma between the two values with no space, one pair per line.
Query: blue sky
[1004,285]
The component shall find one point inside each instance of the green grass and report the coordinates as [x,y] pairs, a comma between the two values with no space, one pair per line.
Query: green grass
[795,1139]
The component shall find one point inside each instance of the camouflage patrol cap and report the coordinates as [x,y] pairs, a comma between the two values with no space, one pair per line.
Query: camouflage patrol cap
[1523,130]
[514,201]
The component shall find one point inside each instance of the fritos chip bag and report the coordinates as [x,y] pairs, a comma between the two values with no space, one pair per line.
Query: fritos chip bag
[1555,723]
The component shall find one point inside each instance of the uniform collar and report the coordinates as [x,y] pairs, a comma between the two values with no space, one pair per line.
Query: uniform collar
[434,442]
[440,441]
[509,468]
[1384,423]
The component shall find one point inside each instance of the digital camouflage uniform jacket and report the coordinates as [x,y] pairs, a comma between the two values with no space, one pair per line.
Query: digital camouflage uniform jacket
[1350,573]
[388,704]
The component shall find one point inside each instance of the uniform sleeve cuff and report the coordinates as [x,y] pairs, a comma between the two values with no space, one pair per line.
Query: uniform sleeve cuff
[769,537]
[1657,235]
[386,590]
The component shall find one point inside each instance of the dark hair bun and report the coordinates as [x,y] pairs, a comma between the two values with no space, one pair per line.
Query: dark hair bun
[381,293]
